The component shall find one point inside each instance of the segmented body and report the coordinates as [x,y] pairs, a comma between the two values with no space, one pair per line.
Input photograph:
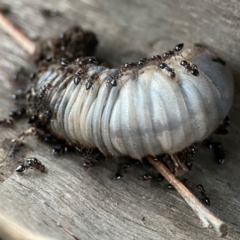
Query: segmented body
[143,109]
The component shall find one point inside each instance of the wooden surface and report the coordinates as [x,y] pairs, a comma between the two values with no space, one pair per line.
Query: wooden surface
[71,203]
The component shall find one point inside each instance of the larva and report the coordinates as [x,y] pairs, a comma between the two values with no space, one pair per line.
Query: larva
[158,105]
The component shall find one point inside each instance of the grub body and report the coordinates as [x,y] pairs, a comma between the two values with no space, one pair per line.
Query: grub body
[147,111]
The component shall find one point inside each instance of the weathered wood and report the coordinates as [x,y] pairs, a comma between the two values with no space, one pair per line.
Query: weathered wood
[71,203]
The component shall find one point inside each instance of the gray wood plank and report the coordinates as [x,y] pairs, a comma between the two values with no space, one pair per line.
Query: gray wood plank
[71,203]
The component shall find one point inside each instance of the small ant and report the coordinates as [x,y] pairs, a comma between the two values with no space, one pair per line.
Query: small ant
[88,60]
[118,176]
[162,65]
[19,94]
[221,130]
[49,13]
[190,68]
[204,194]
[170,187]
[64,63]
[147,177]
[171,72]
[219,60]
[156,58]
[77,80]
[78,75]
[18,113]
[142,62]
[168,69]
[178,47]
[62,149]
[112,80]
[189,165]
[90,80]
[32,163]
[151,177]
[7,122]
[87,164]
[129,66]
[168,55]
[80,72]
[121,169]
[220,153]
[218,150]
[44,89]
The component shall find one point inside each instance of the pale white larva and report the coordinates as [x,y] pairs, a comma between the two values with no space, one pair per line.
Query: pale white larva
[160,105]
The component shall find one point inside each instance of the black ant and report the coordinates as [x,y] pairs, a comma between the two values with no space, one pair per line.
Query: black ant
[122,168]
[184,181]
[204,194]
[88,60]
[190,68]
[78,75]
[219,60]
[187,156]
[170,187]
[49,13]
[129,66]
[151,177]
[168,69]
[80,72]
[118,176]
[162,65]
[218,150]
[19,94]
[77,80]
[178,47]
[168,55]
[44,89]
[87,164]
[64,63]
[221,130]
[171,72]
[32,163]
[90,80]
[112,80]
[62,149]
[18,113]
[7,122]
[142,62]
[189,165]
[147,177]
[220,153]
[156,58]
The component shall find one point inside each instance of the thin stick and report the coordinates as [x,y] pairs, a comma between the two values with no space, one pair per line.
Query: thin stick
[203,213]
[20,38]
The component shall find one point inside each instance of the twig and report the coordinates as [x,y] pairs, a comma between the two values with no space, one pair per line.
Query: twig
[24,134]
[203,213]
[20,38]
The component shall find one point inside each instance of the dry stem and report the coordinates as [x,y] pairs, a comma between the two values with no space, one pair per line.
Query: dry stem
[20,38]
[29,132]
[203,213]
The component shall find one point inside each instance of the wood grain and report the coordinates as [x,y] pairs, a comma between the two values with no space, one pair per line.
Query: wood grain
[71,203]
